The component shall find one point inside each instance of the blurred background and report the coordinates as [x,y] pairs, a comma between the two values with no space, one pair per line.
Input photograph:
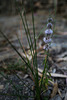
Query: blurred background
[9,7]
[10,23]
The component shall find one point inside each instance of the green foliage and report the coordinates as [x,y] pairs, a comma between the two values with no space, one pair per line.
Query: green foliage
[27,63]
[39,84]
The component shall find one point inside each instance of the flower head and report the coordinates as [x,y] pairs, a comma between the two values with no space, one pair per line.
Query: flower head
[48,41]
[48,31]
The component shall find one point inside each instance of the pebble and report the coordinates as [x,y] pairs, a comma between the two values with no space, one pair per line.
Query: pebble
[25,76]
[1,87]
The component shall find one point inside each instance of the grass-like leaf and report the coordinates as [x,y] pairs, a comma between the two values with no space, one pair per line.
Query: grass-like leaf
[27,63]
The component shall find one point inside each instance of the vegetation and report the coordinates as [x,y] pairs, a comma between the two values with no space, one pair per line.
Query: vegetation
[40,83]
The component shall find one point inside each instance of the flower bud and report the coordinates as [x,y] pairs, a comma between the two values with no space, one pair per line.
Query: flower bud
[46,47]
[49,25]
[50,20]
[44,38]
[47,40]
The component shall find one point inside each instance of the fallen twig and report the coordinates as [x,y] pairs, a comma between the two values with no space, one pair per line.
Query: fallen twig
[54,74]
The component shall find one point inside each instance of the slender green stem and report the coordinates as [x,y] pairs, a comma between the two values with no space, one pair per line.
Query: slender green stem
[25,31]
[23,51]
[17,52]
[33,27]
[28,30]
[20,43]
[55,8]
[44,70]
[41,32]
[35,59]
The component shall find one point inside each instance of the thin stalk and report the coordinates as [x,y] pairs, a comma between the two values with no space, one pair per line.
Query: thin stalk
[55,10]
[43,71]
[17,52]
[25,31]
[20,43]
[28,30]
[35,59]
[41,32]
[24,50]
[33,27]
[22,47]
[35,54]
[24,28]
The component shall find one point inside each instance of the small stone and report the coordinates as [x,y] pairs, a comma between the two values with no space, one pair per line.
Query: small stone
[54,70]
[1,87]
[26,76]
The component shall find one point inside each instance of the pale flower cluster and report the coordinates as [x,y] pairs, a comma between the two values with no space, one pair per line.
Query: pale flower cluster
[48,34]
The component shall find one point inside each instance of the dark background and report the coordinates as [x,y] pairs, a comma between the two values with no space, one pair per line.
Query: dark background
[9,6]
